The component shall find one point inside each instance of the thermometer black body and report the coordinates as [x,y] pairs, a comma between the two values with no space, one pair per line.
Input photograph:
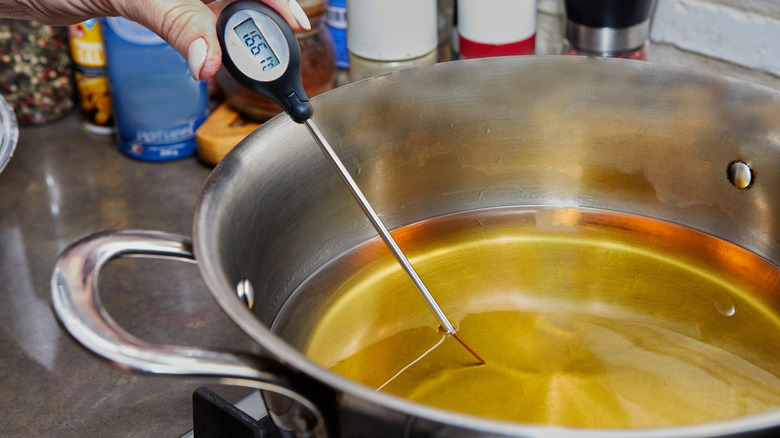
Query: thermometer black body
[261,52]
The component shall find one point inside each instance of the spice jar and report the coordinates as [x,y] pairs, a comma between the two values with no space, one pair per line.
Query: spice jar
[500,28]
[89,60]
[389,36]
[36,75]
[318,68]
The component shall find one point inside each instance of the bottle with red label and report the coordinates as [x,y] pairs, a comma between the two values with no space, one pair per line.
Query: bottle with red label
[496,28]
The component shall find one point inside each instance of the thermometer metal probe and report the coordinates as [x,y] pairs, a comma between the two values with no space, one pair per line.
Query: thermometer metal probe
[260,51]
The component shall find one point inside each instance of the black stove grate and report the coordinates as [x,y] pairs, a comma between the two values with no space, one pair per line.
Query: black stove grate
[214,417]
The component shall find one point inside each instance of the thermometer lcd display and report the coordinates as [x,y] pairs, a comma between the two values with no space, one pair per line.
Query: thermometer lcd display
[248,32]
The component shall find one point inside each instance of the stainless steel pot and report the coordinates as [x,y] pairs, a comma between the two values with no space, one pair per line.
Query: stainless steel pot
[619,135]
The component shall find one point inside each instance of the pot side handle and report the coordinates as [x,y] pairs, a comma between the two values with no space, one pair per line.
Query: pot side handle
[77,305]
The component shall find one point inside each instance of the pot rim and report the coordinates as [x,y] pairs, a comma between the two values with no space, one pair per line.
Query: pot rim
[222,290]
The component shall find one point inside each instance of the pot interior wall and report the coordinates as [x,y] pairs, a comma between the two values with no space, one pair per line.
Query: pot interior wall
[609,134]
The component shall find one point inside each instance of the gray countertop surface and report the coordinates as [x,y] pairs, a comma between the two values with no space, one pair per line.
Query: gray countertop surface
[63,184]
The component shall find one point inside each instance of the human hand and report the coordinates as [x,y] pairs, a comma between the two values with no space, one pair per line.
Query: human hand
[189,26]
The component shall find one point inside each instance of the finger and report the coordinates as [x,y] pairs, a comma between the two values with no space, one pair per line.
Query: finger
[189,26]
[292,12]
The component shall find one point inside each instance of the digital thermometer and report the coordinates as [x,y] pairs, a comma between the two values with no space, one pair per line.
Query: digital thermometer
[260,51]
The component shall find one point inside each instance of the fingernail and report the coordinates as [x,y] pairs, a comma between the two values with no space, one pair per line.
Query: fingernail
[196,57]
[299,15]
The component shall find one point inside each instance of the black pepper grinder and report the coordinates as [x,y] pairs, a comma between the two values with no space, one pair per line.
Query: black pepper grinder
[609,28]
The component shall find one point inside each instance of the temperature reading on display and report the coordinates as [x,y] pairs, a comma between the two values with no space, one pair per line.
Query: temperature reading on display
[256,43]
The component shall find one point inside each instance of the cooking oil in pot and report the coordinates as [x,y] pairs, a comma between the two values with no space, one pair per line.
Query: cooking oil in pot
[585,318]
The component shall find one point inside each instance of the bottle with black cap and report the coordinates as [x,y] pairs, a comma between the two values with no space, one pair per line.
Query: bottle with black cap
[611,28]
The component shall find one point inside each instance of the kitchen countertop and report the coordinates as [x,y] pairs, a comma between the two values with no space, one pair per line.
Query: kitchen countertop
[62,184]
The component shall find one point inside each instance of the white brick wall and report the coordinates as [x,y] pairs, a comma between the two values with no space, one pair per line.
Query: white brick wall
[770,8]
[742,33]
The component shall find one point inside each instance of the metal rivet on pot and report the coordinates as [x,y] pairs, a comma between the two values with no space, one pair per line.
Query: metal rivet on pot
[246,293]
[740,174]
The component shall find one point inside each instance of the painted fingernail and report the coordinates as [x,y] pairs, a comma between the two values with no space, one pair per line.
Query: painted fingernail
[196,57]
[299,15]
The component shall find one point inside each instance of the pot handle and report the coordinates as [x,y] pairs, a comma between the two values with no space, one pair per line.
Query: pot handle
[77,305]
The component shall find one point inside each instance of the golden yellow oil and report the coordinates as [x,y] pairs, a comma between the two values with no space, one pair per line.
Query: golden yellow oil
[585,318]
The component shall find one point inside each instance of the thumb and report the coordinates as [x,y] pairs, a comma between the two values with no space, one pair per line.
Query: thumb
[188,26]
